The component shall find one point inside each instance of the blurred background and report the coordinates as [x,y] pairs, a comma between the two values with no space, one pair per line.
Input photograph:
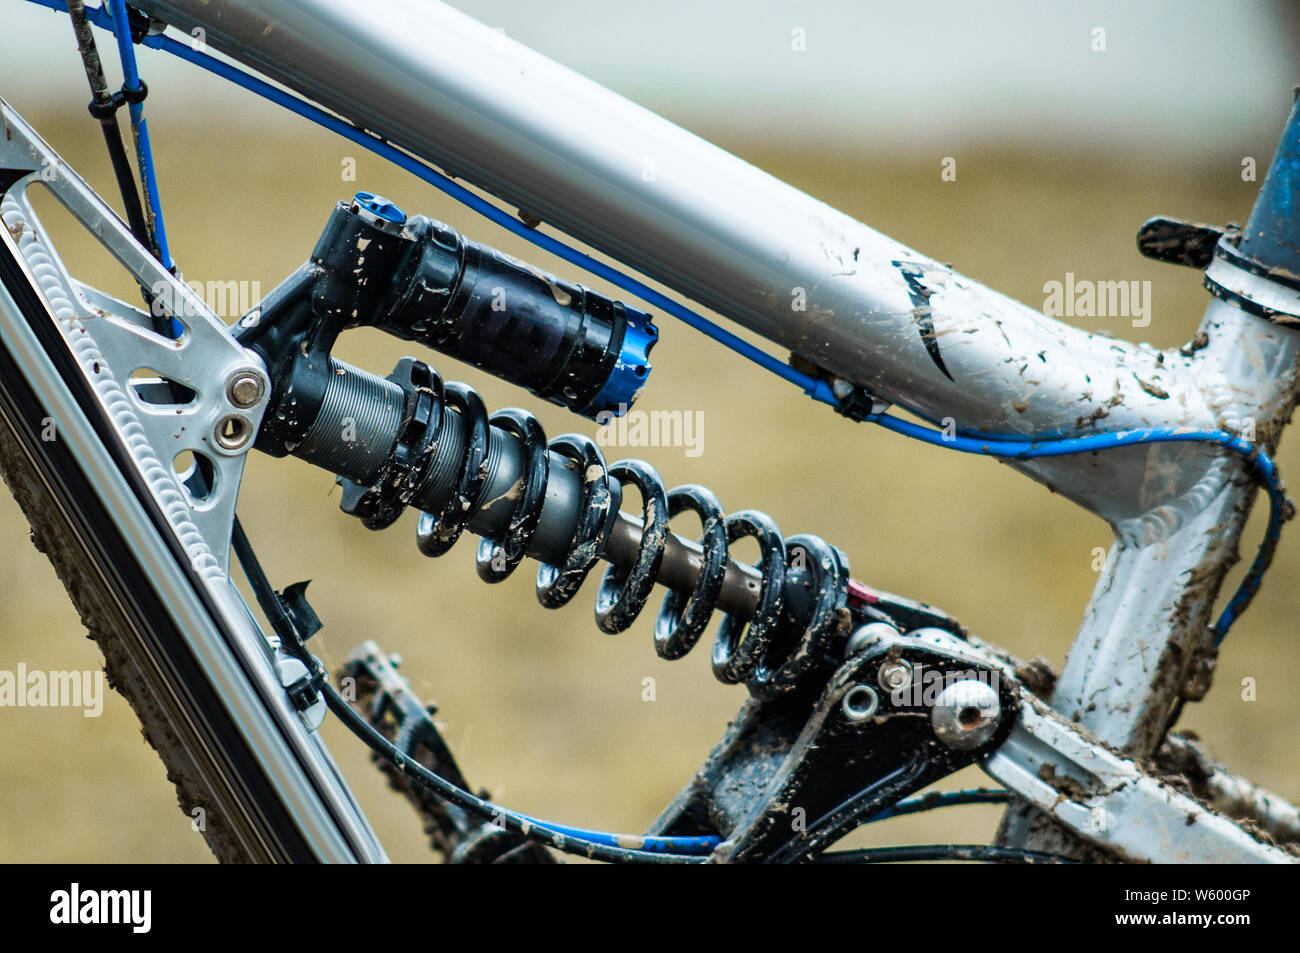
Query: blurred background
[1062,150]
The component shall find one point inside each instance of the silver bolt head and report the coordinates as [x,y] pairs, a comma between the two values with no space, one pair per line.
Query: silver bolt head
[866,635]
[966,714]
[895,675]
[245,389]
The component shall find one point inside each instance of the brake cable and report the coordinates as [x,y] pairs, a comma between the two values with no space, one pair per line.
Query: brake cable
[596,845]
[977,852]
[103,106]
[133,93]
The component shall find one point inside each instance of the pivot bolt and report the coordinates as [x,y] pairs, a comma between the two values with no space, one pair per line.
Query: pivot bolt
[866,635]
[895,675]
[966,714]
[245,389]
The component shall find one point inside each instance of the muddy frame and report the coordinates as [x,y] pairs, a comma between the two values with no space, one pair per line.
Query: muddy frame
[875,313]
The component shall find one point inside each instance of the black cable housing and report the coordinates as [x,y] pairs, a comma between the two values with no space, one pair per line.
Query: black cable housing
[290,640]
[975,852]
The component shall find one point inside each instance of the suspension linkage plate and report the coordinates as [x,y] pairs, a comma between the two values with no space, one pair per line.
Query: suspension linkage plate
[793,775]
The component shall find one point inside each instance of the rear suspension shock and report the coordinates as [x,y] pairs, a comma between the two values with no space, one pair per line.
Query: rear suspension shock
[409,440]
[419,442]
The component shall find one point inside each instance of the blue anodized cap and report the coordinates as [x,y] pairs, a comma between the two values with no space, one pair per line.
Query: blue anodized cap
[632,368]
[379,208]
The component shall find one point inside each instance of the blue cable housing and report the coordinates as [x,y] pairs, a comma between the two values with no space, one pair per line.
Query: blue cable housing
[704,844]
[121,27]
[936,799]
[1259,461]
[694,845]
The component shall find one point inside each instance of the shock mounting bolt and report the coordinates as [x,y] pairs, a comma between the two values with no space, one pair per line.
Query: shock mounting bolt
[966,714]
[245,389]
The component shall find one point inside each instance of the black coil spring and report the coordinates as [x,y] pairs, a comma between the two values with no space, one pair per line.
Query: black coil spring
[771,653]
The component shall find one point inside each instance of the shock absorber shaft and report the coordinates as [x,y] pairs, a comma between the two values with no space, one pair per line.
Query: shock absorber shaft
[680,569]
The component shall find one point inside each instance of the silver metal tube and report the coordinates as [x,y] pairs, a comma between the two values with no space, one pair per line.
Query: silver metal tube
[714,227]
[680,568]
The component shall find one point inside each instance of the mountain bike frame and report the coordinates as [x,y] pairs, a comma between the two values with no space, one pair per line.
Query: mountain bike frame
[863,311]
[740,242]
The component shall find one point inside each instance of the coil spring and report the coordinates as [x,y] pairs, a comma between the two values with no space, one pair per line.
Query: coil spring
[771,654]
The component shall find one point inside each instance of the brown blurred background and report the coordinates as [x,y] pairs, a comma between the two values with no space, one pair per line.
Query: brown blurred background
[540,707]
